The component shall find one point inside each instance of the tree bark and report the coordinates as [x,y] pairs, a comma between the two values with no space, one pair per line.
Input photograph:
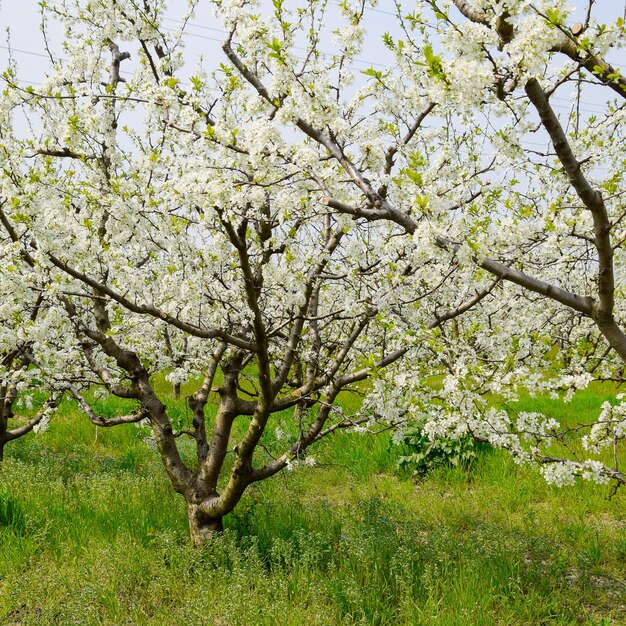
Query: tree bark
[202,528]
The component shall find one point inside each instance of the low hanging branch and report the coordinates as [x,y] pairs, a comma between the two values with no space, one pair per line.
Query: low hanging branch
[106,422]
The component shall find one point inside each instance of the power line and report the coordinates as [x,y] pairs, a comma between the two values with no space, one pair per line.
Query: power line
[35,54]
[225,33]
[587,103]
[324,54]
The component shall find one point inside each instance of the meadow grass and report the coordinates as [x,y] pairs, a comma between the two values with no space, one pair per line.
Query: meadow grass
[92,533]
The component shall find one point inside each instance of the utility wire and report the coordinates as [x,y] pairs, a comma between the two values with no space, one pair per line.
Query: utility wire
[599,107]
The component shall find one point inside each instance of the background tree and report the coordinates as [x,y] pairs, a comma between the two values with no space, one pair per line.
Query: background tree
[561,208]
[26,398]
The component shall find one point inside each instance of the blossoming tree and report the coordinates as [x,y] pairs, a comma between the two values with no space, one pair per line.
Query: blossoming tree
[173,228]
[556,227]
[280,229]
[17,375]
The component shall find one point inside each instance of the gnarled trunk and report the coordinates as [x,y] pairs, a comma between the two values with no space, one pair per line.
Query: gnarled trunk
[202,528]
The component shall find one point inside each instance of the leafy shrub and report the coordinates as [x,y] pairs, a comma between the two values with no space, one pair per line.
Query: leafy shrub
[423,454]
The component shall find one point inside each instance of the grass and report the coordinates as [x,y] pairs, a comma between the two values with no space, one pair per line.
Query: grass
[92,533]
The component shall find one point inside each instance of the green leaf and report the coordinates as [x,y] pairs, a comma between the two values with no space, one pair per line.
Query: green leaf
[434,63]
[370,71]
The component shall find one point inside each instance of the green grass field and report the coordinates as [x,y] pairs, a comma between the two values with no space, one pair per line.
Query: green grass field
[92,533]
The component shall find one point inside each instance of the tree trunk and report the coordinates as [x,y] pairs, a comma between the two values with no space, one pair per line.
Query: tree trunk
[202,528]
[2,443]
[177,390]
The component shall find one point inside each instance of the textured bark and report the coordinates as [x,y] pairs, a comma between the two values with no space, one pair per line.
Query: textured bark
[471,13]
[210,470]
[202,528]
[591,197]
[584,304]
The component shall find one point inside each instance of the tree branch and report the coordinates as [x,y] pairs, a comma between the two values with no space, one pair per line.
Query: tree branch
[147,309]
[106,422]
[49,404]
